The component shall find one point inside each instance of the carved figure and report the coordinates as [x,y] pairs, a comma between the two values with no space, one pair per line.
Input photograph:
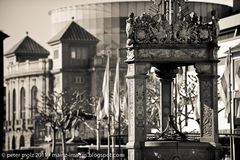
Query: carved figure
[129,29]
[215,27]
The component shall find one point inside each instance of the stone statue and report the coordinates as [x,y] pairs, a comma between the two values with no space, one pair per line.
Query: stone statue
[215,25]
[129,29]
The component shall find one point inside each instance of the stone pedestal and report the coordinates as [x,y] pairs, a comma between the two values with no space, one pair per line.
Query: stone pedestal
[136,79]
[178,150]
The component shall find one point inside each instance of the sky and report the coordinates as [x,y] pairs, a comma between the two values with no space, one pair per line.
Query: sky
[19,16]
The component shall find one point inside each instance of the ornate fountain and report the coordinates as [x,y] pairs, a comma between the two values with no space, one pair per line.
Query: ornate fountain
[167,37]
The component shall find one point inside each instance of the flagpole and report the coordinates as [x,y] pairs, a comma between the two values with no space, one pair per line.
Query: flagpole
[109,136]
[98,133]
[232,147]
[98,136]
[108,109]
[113,136]
[119,110]
[119,131]
[116,102]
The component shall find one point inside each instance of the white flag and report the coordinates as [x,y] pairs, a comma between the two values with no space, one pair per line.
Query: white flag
[105,88]
[224,85]
[116,95]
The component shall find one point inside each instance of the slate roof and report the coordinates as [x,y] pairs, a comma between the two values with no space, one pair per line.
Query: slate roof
[28,47]
[73,32]
[3,35]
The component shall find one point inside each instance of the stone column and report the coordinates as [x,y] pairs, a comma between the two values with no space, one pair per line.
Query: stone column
[11,99]
[17,89]
[28,100]
[207,74]
[7,102]
[136,80]
[166,76]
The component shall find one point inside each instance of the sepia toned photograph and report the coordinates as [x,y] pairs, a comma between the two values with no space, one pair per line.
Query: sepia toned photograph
[120,79]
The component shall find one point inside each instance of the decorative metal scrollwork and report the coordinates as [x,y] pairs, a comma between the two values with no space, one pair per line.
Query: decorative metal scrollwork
[171,132]
[155,28]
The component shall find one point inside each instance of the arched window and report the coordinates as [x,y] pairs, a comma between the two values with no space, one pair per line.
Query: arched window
[34,100]
[13,143]
[22,141]
[14,107]
[22,103]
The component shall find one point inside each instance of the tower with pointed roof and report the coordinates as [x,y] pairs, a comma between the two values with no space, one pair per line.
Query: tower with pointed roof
[72,51]
[27,76]
[27,49]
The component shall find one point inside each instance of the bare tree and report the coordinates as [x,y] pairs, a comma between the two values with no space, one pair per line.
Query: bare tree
[62,111]
[153,102]
[187,96]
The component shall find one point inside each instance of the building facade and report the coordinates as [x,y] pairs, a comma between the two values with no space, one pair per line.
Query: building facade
[3,36]
[27,77]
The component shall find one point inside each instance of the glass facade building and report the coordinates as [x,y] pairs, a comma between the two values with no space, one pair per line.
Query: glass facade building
[106,20]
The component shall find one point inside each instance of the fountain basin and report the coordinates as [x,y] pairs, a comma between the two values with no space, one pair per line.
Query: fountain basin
[178,150]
